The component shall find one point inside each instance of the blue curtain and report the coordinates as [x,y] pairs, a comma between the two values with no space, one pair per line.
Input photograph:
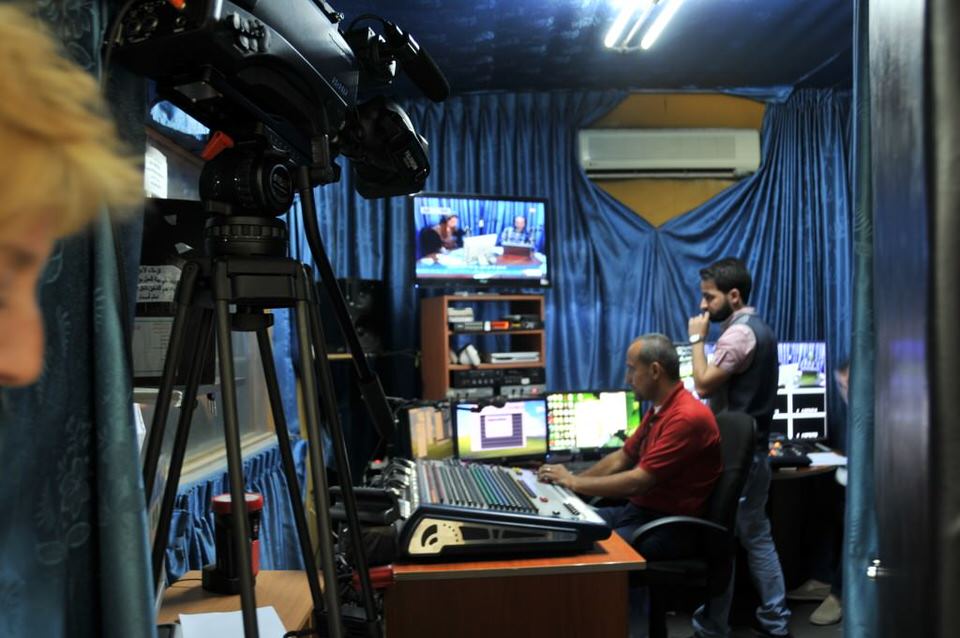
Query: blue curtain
[73,542]
[191,544]
[510,144]
[791,221]
[615,275]
[861,543]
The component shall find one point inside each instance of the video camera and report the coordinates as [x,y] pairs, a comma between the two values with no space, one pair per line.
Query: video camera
[281,72]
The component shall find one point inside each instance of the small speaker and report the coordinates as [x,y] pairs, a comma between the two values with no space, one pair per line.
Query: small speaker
[366,304]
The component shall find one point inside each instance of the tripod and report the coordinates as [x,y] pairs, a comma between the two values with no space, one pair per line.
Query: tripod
[252,283]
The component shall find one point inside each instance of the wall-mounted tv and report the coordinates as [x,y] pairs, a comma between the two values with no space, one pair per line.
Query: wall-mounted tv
[480,240]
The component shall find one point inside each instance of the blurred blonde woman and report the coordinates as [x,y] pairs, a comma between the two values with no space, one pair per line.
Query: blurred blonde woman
[60,162]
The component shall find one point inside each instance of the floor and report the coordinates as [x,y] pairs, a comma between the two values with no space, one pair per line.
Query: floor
[800,627]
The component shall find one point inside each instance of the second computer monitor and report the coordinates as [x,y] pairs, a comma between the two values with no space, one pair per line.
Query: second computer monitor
[515,430]
[801,407]
[685,355]
[590,420]
[801,411]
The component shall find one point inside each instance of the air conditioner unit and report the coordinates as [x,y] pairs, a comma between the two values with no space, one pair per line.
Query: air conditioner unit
[690,153]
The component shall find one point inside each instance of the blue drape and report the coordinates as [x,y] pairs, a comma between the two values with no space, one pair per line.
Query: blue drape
[616,276]
[191,544]
[73,542]
[511,144]
[861,543]
[791,221]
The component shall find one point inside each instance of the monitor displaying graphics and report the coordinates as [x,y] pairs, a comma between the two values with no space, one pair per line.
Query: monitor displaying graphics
[587,420]
[431,435]
[488,432]
[801,411]
[479,240]
[634,413]
[685,354]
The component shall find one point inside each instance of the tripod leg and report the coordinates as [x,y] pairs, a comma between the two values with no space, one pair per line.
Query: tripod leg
[185,288]
[328,393]
[293,489]
[318,472]
[180,442]
[373,395]
[231,430]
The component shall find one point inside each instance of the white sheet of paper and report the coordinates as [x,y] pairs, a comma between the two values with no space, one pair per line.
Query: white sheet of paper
[826,458]
[229,624]
[155,173]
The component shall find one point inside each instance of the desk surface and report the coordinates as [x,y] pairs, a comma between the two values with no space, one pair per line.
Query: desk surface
[785,473]
[611,555]
[286,591]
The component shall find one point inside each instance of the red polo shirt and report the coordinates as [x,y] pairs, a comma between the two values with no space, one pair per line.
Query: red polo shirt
[680,446]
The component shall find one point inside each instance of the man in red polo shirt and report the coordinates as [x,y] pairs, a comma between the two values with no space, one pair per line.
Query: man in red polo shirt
[667,467]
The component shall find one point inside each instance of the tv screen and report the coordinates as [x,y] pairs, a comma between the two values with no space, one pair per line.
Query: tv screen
[478,240]
[801,411]
[588,420]
[518,429]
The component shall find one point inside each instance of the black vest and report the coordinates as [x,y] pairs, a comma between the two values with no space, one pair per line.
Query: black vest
[754,390]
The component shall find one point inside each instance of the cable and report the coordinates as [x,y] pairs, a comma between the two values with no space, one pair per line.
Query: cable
[111,39]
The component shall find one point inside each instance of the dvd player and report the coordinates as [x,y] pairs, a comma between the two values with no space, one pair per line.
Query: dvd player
[512,357]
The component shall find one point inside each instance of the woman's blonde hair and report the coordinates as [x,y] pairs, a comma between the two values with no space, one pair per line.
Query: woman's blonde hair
[59,150]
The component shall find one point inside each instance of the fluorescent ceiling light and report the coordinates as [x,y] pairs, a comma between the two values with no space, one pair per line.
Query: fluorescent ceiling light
[645,10]
[619,23]
[660,23]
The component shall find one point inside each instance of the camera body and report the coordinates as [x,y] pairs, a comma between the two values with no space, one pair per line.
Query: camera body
[228,63]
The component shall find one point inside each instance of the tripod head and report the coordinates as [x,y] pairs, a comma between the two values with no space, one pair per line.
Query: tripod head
[245,186]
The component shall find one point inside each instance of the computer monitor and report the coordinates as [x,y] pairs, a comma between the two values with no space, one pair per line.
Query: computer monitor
[587,420]
[431,435]
[801,409]
[473,241]
[685,354]
[515,430]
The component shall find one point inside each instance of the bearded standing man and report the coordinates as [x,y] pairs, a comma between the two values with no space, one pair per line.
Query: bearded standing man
[742,377]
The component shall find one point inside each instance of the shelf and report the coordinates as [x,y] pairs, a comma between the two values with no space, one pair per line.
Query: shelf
[537,331]
[437,337]
[498,366]
[812,390]
[471,297]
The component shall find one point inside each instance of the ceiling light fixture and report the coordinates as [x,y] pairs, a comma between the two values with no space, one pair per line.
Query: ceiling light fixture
[644,14]
[642,9]
[620,22]
[666,14]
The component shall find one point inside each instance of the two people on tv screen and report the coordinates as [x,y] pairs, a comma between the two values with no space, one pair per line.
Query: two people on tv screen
[446,235]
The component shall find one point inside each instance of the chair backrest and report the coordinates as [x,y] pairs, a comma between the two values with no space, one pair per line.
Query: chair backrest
[737,444]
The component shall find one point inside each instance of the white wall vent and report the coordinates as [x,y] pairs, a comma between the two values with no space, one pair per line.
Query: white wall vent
[684,153]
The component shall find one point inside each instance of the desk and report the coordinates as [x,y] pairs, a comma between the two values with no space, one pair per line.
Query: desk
[555,597]
[787,473]
[286,591]
[806,515]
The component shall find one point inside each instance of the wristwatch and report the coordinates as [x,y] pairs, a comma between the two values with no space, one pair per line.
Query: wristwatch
[695,339]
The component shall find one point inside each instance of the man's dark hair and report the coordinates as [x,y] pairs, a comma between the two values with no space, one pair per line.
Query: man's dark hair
[727,274]
[659,348]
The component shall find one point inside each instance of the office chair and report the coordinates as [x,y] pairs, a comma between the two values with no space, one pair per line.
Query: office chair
[709,569]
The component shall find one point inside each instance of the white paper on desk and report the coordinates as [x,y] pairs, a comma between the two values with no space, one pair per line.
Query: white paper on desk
[229,624]
[826,458]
